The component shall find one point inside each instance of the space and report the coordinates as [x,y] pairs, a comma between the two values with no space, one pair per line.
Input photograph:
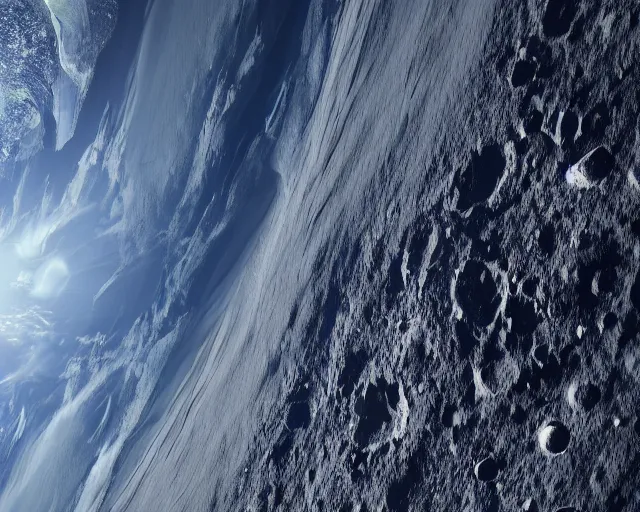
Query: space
[350,255]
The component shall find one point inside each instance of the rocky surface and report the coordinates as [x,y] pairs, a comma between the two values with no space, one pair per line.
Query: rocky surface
[473,344]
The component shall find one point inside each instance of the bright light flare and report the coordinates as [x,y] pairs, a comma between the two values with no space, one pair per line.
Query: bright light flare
[50,279]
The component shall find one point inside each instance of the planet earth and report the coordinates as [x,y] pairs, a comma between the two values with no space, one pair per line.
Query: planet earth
[324,255]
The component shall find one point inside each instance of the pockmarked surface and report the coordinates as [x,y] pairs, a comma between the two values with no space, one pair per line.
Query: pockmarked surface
[319,255]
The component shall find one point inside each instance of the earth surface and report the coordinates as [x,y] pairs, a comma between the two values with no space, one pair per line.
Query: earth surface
[320,255]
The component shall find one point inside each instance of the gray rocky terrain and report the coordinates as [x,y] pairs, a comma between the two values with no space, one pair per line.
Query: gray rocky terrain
[464,334]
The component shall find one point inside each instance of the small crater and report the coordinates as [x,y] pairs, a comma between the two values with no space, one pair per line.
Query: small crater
[477,293]
[354,364]
[588,396]
[532,122]
[609,321]
[554,438]
[477,182]
[523,73]
[524,319]
[568,127]
[373,410]
[599,164]
[558,17]
[605,281]
[486,470]
[299,416]
[591,169]
[541,354]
